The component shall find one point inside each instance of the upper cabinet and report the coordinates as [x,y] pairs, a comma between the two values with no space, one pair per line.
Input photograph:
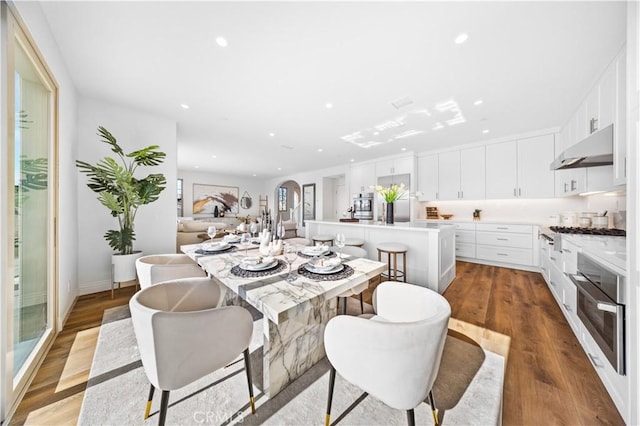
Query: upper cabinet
[395,166]
[461,174]
[520,169]
[605,104]
[427,178]
[363,176]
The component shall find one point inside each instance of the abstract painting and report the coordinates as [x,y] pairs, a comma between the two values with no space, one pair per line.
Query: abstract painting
[207,197]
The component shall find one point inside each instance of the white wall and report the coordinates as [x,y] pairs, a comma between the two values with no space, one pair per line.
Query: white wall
[540,211]
[32,16]
[155,224]
[255,188]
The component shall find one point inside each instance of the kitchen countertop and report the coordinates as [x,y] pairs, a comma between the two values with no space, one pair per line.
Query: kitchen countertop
[401,226]
[488,221]
[611,251]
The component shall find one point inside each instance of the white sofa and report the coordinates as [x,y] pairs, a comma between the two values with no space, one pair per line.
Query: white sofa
[189,229]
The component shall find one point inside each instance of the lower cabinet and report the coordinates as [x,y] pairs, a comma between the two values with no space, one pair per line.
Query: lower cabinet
[505,243]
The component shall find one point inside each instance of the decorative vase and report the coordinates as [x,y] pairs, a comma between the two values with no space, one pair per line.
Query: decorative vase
[216,212]
[389,213]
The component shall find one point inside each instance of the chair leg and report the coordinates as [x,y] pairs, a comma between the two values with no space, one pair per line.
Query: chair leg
[247,368]
[361,304]
[164,404]
[434,410]
[411,418]
[149,402]
[344,306]
[332,381]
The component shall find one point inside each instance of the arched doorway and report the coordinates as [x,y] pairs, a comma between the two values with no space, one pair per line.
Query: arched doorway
[287,206]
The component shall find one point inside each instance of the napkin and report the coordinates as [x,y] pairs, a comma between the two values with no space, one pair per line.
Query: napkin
[256,260]
[315,249]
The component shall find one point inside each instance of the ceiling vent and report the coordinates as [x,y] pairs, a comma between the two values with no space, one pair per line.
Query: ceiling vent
[402,102]
[286,146]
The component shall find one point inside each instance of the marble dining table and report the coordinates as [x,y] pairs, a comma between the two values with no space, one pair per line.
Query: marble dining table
[295,312]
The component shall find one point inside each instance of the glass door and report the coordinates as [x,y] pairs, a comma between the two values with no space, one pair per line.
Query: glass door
[31,145]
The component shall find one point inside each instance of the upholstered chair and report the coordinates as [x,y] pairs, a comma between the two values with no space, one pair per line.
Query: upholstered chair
[354,252]
[394,355]
[156,268]
[183,336]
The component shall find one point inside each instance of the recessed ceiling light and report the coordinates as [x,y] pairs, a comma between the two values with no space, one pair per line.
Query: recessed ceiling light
[485,131]
[214,156]
[403,149]
[222,42]
[328,105]
[184,106]
[352,160]
[461,38]
[319,149]
[254,175]
[376,133]
[279,168]
[272,134]
[197,167]
[478,102]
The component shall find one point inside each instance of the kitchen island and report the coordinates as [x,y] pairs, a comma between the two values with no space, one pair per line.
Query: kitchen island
[431,258]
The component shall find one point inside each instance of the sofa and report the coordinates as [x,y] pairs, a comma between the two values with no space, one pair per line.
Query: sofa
[189,229]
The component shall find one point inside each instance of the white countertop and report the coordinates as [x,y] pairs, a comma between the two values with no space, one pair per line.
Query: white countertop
[490,221]
[401,226]
[611,251]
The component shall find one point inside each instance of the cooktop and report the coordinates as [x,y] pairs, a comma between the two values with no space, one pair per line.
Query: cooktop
[589,231]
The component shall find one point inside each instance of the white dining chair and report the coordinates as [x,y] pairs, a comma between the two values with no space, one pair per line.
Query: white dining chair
[183,336]
[354,252]
[157,268]
[394,355]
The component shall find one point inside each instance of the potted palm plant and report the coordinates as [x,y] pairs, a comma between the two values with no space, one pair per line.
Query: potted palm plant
[122,193]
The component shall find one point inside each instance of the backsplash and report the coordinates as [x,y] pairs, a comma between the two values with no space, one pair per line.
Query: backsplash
[540,211]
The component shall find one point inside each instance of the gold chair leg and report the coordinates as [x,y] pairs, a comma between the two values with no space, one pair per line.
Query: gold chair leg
[149,402]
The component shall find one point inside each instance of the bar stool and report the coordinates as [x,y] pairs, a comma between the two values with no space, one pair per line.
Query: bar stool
[323,238]
[355,242]
[394,249]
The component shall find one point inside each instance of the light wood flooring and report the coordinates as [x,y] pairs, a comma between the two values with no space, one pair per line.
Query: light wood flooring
[548,379]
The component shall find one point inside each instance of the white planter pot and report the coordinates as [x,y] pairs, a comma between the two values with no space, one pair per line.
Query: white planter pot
[124,266]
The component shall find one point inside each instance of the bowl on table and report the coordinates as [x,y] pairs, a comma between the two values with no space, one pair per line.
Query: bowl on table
[446,216]
[215,246]
[324,264]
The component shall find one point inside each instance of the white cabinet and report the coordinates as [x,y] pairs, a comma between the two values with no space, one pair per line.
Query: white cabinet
[571,182]
[520,168]
[461,174]
[428,177]
[449,175]
[472,173]
[363,176]
[535,178]
[505,243]
[395,166]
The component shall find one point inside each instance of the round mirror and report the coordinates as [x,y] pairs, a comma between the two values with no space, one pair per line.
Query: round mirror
[245,201]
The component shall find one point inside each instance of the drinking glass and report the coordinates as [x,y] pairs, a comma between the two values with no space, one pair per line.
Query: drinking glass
[245,241]
[340,242]
[290,255]
[254,229]
[211,232]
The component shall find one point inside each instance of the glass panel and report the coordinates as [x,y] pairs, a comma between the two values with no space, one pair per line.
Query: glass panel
[31,212]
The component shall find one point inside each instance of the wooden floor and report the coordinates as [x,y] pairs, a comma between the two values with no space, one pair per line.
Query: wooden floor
[549,379]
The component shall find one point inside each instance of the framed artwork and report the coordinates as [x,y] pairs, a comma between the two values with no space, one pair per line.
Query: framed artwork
[209,199]
[308,202]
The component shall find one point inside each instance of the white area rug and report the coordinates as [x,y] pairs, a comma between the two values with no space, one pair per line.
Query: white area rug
[468,390]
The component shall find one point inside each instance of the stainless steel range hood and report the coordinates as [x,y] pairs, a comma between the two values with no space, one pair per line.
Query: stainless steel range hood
[595,150]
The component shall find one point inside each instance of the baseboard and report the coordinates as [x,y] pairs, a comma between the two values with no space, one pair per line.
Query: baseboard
[98,286]
[63,321]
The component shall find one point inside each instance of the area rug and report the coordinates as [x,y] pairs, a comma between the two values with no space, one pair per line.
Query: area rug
[468,390]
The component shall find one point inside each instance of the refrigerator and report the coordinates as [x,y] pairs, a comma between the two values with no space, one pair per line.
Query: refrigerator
[401,208]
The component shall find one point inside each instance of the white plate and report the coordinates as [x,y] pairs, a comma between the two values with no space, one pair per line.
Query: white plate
[259,266]
[324,263]
[217,246]
[313,252]
[333,270]
[231,238]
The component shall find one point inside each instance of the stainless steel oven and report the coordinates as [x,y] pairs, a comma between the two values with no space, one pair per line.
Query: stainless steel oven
[363,205]
[601,308]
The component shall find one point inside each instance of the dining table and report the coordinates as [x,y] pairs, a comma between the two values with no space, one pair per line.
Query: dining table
[295,309]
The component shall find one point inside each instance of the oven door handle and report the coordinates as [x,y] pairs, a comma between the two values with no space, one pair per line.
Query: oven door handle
[607,307]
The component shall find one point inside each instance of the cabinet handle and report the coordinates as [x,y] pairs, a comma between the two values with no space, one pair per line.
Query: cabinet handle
[461,194]
[502,254]
[552,258]
[436,195]
[565,187]
[594,361]
[552,283]
[519,192]
[502,239]
[593,125]
[573,184]
[514,192]
[502,227]
[567,307]
[566,250]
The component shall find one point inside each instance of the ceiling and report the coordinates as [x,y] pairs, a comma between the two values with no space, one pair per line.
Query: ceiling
[259,105]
